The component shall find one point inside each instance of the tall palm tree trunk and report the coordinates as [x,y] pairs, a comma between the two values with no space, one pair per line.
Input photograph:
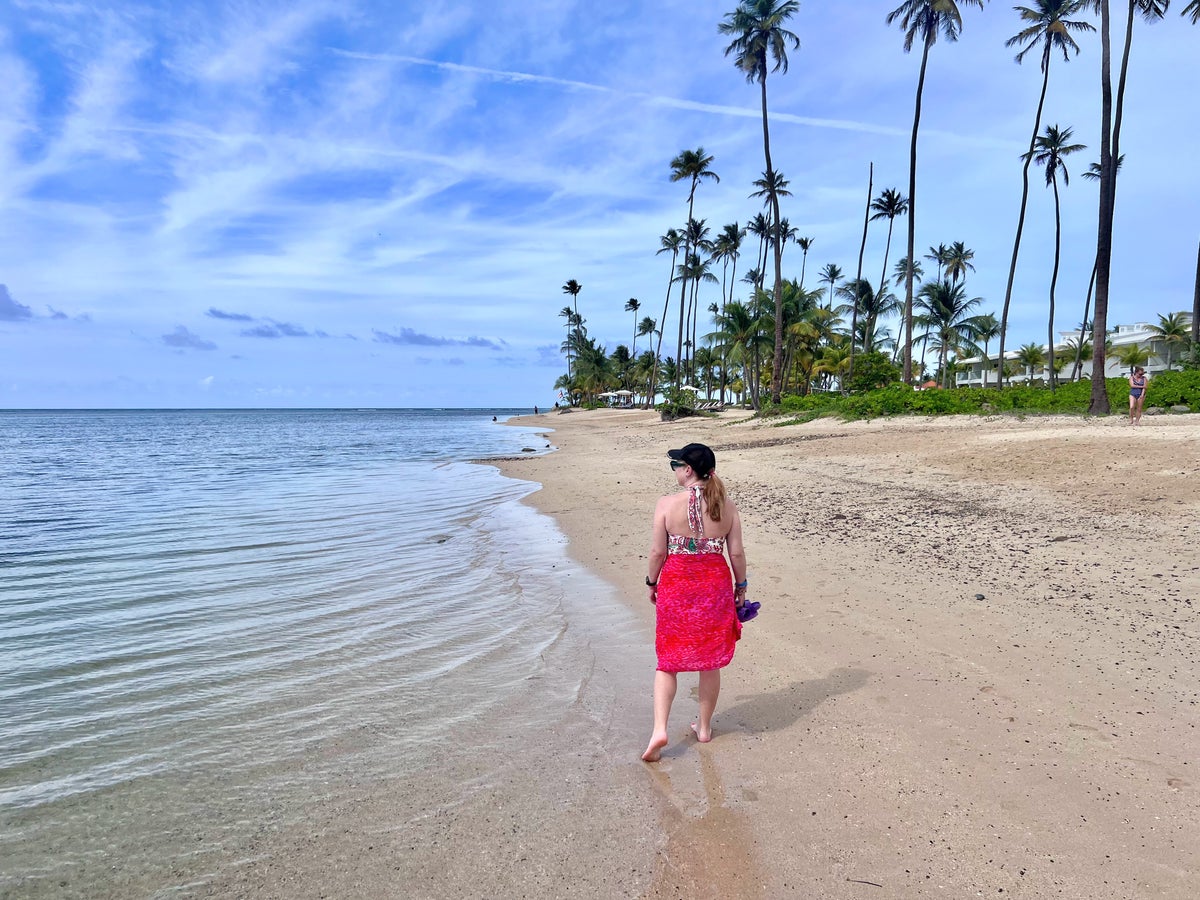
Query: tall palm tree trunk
[886,250]
[1119,108]
[693,318]
[679,373]
[1099,404]
[777,246]
[724,350]
[1012,266]
[661,328]
[862,249]
[1052,376]
[1077,372]
[912,211]
[1196,303]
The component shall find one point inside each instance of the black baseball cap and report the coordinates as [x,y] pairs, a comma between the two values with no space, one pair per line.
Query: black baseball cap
[699,457]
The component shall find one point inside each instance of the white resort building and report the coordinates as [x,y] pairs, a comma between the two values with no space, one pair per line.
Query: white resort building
[969,372]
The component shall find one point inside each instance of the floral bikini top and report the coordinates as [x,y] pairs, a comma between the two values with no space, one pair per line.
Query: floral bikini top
[682,543]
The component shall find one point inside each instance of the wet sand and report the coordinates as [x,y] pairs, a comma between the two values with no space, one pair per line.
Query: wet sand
[975,670]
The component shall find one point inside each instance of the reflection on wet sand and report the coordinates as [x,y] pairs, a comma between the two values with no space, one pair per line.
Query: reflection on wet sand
[710,844]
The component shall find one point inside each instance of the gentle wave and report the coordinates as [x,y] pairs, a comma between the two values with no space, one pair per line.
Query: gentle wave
[164,606]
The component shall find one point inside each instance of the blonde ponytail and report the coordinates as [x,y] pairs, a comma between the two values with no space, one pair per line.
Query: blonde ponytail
[714,496]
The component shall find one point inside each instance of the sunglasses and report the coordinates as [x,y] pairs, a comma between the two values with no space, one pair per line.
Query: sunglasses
[676,464]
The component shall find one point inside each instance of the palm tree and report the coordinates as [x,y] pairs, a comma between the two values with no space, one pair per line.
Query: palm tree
[759,226]
[646,326]
[804,244]
[923,19]
[691,165]
[568,315]
[573,288]
[872,306]
[1098,403]
[862,252]
[739,335]
[1196,301]
[957,261]
[1193,10]
[786,232]
[633,304]
[987,329]
[831,273]
[1110,150]
[1172,330]
[1050,148]
[888,205]
[1082,351]
[757,26]
[900,271]
[728,244]
[593,366]
[1031,356]
[1048,28]
[1092,173]
[726,248]
[834,361]
[945,309]
[938,255]
[1132,355]
[673,240]
[695,270]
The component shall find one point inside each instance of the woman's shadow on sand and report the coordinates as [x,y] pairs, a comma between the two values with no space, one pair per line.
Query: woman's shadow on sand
[778,709]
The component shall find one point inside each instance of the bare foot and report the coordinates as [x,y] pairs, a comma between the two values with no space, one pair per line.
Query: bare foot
[654,750]
[702,736]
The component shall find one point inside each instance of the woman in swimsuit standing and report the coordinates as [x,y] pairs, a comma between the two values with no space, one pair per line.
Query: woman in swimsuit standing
[1137,395]
[690,584]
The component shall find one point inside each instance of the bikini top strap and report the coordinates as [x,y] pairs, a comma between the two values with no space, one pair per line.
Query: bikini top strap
[695,513]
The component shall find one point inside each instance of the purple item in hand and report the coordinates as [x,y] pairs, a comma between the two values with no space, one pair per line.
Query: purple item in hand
[748,610]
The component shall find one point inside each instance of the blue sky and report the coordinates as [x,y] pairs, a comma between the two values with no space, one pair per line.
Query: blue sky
[319,203]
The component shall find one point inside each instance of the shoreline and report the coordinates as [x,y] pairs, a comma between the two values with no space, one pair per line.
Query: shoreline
[975,668]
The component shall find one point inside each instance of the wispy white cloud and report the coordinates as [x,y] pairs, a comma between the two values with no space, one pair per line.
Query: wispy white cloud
[447,167]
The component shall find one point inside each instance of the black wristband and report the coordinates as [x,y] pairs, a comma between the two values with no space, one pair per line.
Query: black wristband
[650,583]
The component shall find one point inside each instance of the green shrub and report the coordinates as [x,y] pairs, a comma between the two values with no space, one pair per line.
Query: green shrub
[900,399]
[872,371]
[1172,389]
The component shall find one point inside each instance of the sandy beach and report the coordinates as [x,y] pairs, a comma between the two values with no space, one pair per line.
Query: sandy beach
[975,670]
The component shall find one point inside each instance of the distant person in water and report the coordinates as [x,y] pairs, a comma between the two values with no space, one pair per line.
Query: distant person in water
[535,410]
[1137,395]
[692,588]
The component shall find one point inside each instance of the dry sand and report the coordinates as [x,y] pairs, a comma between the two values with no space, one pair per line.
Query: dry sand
[975,670]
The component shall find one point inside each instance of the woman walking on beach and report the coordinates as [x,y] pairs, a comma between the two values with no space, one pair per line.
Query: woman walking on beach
[689,580]
[1137,395]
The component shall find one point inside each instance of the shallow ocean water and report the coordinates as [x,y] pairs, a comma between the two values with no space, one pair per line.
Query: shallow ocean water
[209,618]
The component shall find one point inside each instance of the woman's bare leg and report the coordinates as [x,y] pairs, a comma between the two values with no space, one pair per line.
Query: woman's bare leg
[1132,408]
[665,684]
[710,689]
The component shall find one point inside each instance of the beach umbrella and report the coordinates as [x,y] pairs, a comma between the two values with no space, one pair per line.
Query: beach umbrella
[690,387]
[623,393]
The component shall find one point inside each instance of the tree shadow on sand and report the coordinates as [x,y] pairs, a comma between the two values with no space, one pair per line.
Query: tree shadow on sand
[778,709]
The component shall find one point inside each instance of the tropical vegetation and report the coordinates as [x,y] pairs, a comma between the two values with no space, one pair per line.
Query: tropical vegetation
[771,342]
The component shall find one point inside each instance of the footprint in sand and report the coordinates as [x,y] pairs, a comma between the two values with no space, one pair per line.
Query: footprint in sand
[1177,783]
[987,689]
[1088,730]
